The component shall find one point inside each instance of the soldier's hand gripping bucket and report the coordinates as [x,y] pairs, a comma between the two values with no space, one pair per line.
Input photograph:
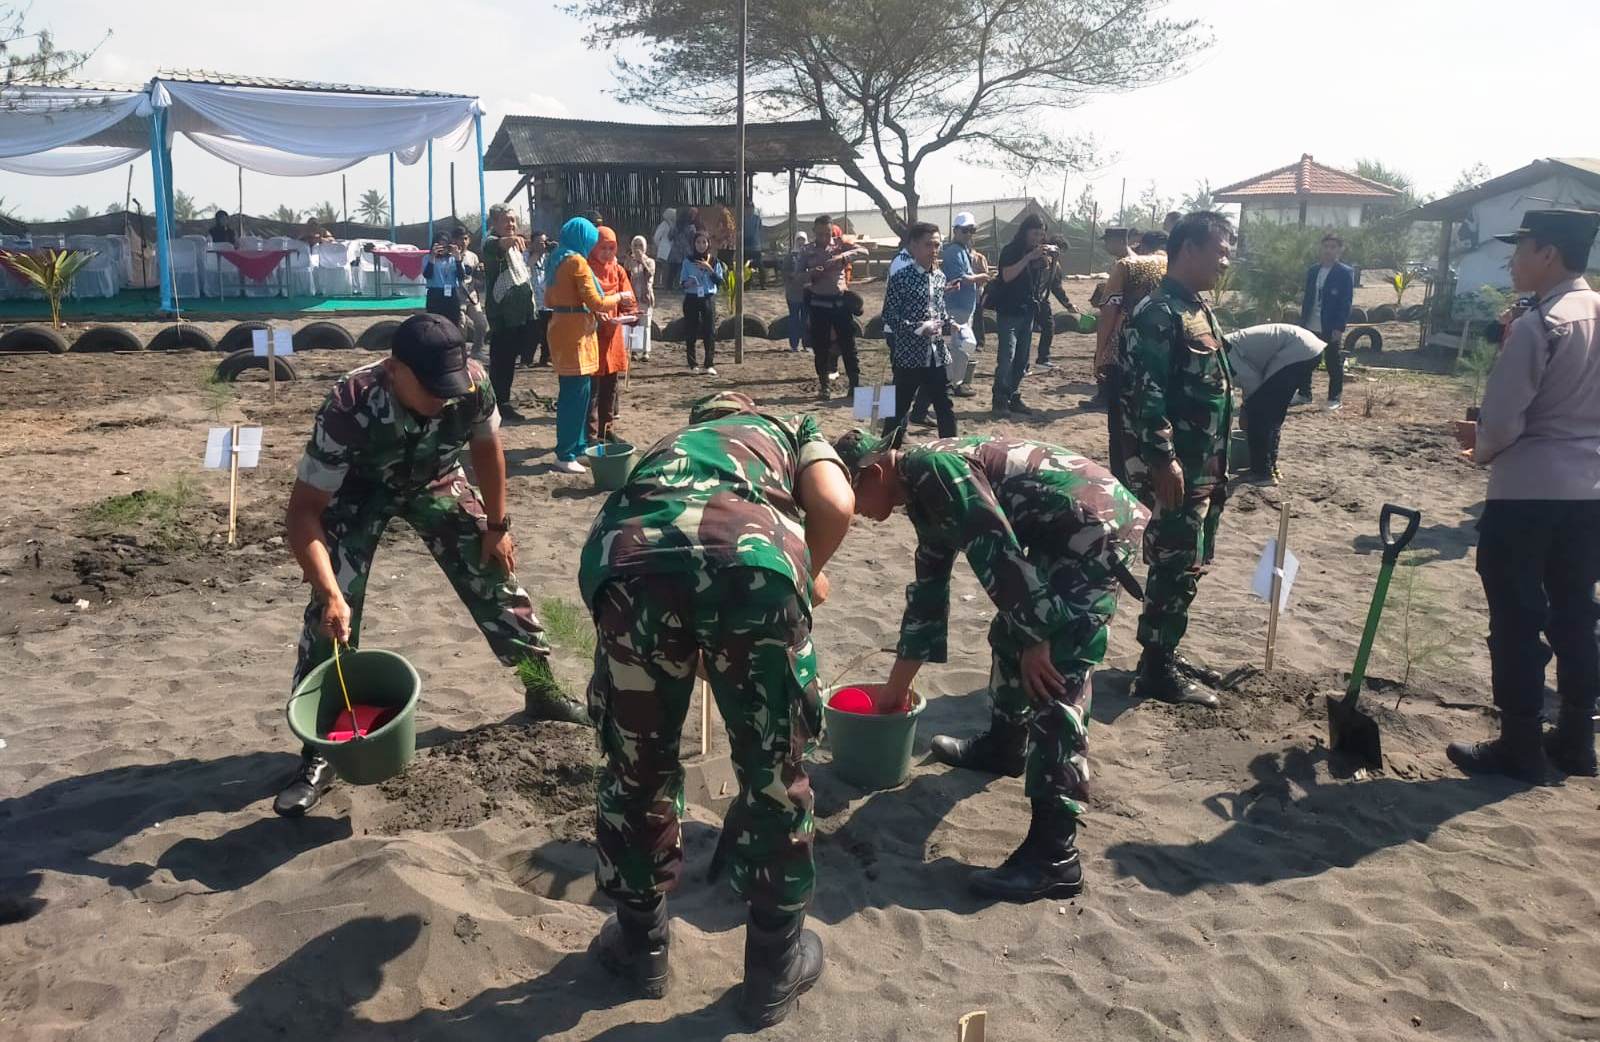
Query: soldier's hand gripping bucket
[378,679]
[872,750]
[610,463]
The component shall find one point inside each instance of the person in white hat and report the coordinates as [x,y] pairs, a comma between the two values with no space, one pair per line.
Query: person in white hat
[962,301]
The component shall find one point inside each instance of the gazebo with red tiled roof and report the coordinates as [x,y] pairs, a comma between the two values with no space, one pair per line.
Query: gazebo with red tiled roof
[1306,192]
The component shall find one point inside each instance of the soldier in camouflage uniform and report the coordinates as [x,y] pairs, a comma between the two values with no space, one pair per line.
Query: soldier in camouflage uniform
[711,556]
[1132,279]
[387,443]
[1176,412]
[1049,535]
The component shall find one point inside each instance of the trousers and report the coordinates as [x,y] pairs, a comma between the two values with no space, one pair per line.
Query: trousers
[833,336]
[449,516]
[700,321]
[1265,410]
[506,345]
[572,415]
[753,634]
[915,390]
[605,403]
[1012,343]
[1539,561]
[1178,545]
[1333,356]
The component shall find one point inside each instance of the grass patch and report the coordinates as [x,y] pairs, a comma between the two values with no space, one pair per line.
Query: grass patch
[567,624]
[162,512]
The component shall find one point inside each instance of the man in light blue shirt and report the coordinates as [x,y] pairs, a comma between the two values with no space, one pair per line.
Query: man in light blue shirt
[961,302]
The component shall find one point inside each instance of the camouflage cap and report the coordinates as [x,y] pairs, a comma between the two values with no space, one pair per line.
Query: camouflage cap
[858,448]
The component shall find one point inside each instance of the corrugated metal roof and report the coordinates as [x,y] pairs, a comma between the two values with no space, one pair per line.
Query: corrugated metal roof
[548,143]
[1305,178]
[222,79]
[1454,207]
[96,85]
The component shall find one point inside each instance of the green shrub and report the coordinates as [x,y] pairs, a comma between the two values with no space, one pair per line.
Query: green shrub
[1272,268]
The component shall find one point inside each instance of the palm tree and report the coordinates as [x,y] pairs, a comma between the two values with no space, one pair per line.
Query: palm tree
[1201,200]
[327,213]
[77,213]
[112,208]
[184,208]
[373,207]
[286,214]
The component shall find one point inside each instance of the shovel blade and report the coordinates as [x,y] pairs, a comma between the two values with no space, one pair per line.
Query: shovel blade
[1353,732]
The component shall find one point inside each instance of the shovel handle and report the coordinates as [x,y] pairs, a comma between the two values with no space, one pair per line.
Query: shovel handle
[1394,544]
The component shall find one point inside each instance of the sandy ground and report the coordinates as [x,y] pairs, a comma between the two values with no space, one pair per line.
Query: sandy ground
[1241,885]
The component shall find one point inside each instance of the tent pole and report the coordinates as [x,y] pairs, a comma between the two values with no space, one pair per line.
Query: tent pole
[483,198]
[429,243]
[391,198]
[739,190]
[159,188]
[239,217]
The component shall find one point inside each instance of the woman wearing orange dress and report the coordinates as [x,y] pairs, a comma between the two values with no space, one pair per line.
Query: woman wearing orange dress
[606,398]
[572,295]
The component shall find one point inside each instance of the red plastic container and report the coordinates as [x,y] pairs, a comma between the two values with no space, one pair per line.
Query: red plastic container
[367,720]
[856,700]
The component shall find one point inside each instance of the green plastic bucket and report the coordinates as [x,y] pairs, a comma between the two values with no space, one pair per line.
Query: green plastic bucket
[376,678]
[610,463]
[1238,451]
[1088,323]
[874,751]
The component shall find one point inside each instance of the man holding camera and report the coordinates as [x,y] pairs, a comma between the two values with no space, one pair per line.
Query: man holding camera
[1024,267]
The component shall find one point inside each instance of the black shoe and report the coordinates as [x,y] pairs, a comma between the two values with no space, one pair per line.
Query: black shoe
[782,960]
[962,391]
[1205,674]
[634,944]
[923,422]
[1018,406]
[1570,745]
[543,699]
[1045,865]
[1003,749]
[311,780]
[1517,753]
[1160,679]
[509,414]
[1000,410]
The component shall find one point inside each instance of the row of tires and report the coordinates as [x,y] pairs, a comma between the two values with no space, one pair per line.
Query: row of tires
[313,336]
[1358,316]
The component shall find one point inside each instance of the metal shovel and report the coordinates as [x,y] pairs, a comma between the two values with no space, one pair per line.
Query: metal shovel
[1351,729]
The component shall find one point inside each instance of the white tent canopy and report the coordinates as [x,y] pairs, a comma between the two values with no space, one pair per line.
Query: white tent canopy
[280,127]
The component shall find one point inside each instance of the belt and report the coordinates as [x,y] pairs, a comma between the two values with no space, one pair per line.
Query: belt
[568,310]
[828,303]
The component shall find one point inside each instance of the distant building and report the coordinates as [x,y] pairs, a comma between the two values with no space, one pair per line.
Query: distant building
[1474,217]
[1306,193]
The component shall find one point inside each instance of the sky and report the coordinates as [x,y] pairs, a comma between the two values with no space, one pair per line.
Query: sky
[1429,87]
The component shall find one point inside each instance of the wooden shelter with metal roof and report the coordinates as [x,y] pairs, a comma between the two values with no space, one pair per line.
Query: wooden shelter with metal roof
[631,172]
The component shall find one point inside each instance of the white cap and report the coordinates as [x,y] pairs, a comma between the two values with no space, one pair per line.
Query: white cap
[964,220]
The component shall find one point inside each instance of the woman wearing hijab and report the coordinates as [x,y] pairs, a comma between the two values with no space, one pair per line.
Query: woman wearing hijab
[573,297]
[663,240]
[702,274]
[613,354]
[796,279]
[642,275]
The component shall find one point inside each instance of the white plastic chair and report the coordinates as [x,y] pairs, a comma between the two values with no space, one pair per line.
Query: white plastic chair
[98,278]
[332,275]
[48,242]
[124,256]
[184,256]
[297,266]
[252,242]
[218,276]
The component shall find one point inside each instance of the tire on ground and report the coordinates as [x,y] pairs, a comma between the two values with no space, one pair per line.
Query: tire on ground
[1358,315]
[874,330]
[778,329]
[323,336]
[1411,313]
[1064,322]
[378,336]
[108,338]
[32,338]
[675,330]
[1382,313]
[1352,339]
[240,336]
[182,337]
[238,363]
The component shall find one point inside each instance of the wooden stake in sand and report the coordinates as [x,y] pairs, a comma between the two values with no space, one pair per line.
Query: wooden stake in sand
[233,483]
[970,1027]
[705,717]
[1277,580]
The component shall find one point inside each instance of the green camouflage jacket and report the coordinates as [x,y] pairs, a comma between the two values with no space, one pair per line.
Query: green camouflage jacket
[1012,506]
[1177,387]
[719,493]
[364,442]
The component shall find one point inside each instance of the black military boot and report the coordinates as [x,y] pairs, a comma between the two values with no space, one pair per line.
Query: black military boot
[1003,749]
[1570,744]
[1159,678]
[1517,753]
[1045,865]
[782,960]
[634,945]
[313,778]
[543,699]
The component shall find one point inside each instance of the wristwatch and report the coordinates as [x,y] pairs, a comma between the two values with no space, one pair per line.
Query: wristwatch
[503,526]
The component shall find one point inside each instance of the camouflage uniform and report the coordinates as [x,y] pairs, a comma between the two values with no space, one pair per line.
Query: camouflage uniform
[1132,280]
[381,461]
[703,555]
[1177,403]
[1049,534]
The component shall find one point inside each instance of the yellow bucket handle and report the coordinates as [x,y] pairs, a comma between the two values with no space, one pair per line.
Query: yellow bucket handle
[339,669]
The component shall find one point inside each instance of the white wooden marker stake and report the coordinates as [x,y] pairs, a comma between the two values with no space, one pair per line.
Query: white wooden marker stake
[233,483]
[705,718]
[233,448]
[269,345]
[1277,580]
[970,1027]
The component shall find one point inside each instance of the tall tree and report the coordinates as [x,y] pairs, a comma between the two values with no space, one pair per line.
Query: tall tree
[900,81]
[1201,199]
[286,214]
[1470,178]
[30,56]
[184,207]
[77,213]
[326,213]
[373,207]
[112,207]
[1376,170]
